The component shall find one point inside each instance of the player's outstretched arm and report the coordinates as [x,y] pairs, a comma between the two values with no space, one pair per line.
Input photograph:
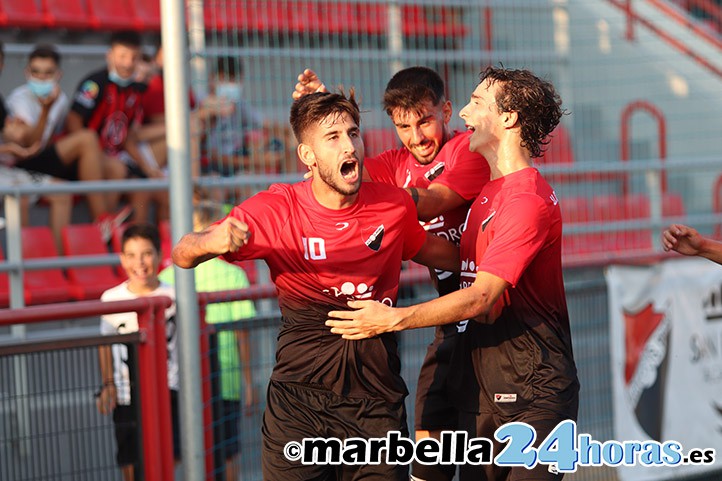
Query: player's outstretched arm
[439,254]
[687,241]
[435,201]
[197,247]
[371,318]
[308,83]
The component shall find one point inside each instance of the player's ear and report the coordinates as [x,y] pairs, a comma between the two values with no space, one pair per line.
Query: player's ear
[305,153]
[510,118]
[447,110]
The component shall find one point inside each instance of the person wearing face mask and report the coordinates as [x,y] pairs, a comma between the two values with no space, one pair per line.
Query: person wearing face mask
[108,101]
[37,112]
[234,140]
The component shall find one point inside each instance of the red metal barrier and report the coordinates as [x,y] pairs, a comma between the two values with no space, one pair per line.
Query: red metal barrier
[633,16]
[626,134]
[152,358]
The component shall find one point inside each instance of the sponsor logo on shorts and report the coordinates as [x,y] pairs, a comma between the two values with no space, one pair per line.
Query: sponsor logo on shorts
[504,398]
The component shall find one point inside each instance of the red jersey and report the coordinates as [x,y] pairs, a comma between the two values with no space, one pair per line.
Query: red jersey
[319,259]
[154,100]
[524,357]
[455,166]
[108,109]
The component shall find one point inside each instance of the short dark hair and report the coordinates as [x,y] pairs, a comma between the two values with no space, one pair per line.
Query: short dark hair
[45,51]
[315,107]
[535,101]
[127,38]
[142,231]
[230,67]
[409,88]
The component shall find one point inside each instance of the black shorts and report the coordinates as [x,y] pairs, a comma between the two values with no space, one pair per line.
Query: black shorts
[127,436]
[434,409]
[295,411]
[228,422]
[47,161]
[484,425]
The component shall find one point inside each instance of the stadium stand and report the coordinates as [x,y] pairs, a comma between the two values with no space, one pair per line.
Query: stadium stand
[68,14]
[111,15]
[19,14]
[89,282]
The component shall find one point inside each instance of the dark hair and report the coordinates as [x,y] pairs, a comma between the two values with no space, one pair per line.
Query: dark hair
[142,231]
[315,107]
[127,38]
[230,67]
[45,51]
[411,87]
[535,101]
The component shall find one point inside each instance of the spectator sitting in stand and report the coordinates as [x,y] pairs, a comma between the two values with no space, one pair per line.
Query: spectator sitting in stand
[109,102]
[38,109]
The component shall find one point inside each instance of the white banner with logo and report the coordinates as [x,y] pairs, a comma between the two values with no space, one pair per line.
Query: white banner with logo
[666,354]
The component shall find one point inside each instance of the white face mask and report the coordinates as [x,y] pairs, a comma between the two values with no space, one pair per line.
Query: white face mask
[41,88]
[118,80]
[229,90]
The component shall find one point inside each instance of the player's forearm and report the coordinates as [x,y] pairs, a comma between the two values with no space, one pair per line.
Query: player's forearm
[439,254]
[32,134]
[105,359]
[191,250]
[469,303]
[712,250]
[434,201]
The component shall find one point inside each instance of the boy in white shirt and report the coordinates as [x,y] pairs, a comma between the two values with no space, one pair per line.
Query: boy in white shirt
[140,257]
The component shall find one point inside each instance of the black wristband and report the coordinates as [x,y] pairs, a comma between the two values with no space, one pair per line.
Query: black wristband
[414,195]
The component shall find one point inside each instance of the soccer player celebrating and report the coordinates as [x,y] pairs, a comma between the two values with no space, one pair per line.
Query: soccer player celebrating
[443,176]
[517,346]
[327,241]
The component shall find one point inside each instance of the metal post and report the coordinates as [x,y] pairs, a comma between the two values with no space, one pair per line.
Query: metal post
[197,43]
[396,37]
[175,84]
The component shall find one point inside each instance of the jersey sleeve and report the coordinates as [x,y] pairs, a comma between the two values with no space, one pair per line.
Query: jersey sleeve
[86,97]
[518,235]
[266,215]
[466,172]
[153,103]
[19,108]
[414,233]
[382,168]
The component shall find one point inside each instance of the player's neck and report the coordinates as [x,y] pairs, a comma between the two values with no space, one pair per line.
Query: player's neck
[507,157]
[329,198]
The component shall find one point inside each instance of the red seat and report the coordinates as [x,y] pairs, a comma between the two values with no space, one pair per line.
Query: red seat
[559,150]
[86,239]
[371,19]
[377,141]
[111,14]
[70,14]
[575,211]
[20,14]
[616,208]
[431,21]
[673,205]
[47,285]
[147,14]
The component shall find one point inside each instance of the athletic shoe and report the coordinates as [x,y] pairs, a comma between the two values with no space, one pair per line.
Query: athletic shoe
[108,223]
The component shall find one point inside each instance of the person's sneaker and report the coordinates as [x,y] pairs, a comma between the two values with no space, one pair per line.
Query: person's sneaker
[108,223]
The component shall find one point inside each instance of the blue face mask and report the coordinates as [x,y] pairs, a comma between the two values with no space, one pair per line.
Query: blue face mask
[118,80]
[41,88]
[231,91]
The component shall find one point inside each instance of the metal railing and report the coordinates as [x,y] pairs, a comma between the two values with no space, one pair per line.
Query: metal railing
[154,398]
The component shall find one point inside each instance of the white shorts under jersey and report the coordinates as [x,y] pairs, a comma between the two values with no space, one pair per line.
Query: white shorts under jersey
[127,322]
